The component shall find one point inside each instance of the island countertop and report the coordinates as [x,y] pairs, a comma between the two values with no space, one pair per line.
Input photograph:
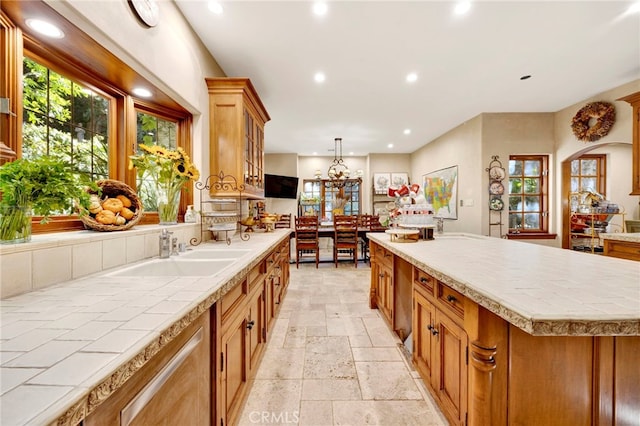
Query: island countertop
[541,290]
[632,237]
[60,343]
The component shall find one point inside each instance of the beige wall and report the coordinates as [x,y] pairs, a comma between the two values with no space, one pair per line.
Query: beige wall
[462,147]
[617,144]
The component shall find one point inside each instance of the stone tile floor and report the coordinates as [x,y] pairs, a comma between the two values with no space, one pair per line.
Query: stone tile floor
[333,361]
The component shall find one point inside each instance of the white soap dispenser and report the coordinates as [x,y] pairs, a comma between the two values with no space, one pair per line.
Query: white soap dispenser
[190,215]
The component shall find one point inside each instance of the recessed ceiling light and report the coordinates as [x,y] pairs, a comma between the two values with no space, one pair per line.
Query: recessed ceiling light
[319,77]
[412,77]
[315,153]
[142,92]
[215,7]
[634,8]
[525,77]
[320,8]
[462,7]
[390,145]
[350,152]
[407,131]
[45,28]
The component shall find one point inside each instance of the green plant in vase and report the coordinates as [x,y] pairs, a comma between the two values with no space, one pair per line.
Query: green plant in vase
[40,186]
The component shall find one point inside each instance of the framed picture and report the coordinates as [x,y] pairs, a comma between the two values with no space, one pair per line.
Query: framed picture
[441,191]
[399,179]
[381,182]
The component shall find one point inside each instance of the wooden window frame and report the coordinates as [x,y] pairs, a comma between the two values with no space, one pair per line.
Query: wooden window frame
[543,232]
[601,171]
[82,59]
[326,189]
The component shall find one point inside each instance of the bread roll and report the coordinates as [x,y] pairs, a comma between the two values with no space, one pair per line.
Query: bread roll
[106,217]
[112,204]
[126,213]
[125,201]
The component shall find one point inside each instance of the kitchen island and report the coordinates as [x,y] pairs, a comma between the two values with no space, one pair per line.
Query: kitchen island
[129,343]
[507,332]
[625,245]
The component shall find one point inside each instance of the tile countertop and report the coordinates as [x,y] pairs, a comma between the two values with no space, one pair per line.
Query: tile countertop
[542,290]
[57,345]
[633,237]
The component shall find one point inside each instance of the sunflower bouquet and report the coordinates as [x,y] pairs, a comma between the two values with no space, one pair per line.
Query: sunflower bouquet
[167,170]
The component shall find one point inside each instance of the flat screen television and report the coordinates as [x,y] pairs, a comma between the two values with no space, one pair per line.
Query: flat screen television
[276,186]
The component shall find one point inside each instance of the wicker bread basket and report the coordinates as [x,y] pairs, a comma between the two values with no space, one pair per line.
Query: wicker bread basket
[110,189]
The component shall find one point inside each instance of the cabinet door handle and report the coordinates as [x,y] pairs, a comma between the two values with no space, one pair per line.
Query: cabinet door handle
[451,298]
[423,280]
[381,275]
[432,329]
[250,324]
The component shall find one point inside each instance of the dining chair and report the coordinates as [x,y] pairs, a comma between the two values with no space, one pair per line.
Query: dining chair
[306,232]
[345,237]
[284,221]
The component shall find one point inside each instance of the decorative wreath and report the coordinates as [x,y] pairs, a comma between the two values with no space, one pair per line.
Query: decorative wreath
[605,115]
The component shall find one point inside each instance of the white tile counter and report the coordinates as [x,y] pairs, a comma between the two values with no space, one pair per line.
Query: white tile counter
[59,343]
[542,290]
[633,237]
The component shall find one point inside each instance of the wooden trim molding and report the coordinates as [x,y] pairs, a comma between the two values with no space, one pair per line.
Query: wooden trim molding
[531,236]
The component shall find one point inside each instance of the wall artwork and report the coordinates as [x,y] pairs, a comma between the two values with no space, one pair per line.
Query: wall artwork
[381,182]
[441,191]
[399,179]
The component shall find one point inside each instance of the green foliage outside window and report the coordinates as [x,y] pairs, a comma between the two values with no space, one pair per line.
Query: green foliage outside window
[64,120]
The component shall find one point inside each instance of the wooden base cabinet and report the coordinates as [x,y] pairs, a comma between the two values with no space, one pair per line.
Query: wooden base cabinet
[623,249]
[382,282]
[482,370]
[440,350]
[173,388]
[244,318]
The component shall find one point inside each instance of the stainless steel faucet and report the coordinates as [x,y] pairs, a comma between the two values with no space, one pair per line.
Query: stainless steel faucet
[174,246]
[165,244]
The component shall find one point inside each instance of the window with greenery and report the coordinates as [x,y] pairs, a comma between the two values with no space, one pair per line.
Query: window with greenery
[74,107]
[588,173]
[153,130]
[528,193]
[64,119]
[324,199]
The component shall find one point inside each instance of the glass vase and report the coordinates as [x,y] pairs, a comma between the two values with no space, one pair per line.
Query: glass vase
[15,224]
[168,198]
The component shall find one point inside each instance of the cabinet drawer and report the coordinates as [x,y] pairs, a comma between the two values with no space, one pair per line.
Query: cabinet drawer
[233,299]
[271,260]
[450,299]
[424,280]
[385,257]
[255,277]
[622,249]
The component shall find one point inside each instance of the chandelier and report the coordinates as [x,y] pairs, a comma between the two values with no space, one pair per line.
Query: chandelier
[338,172]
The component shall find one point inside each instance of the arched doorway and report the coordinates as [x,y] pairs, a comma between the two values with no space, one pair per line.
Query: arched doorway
[566,184]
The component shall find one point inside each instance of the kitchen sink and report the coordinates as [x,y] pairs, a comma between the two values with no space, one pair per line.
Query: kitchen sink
[175,267]
[214,254]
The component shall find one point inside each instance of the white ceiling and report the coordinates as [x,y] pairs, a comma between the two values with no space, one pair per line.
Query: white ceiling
[466,65]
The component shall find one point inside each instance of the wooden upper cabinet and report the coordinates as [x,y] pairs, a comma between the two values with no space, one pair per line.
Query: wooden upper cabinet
[236,136]
[634,100]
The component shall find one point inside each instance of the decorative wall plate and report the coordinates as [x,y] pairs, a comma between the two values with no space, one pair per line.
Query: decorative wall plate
[496,204]
[497,173]
[496,188]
